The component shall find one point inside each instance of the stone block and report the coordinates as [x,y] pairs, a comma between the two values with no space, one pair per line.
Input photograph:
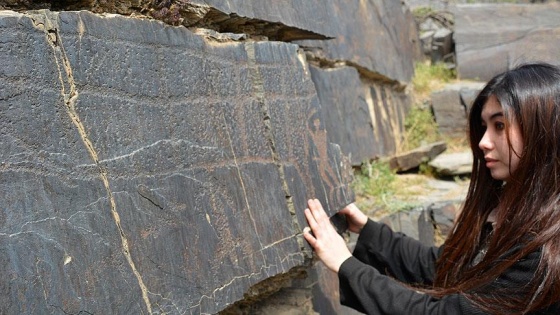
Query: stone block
[365,119]
[451,105]
[442,46]
[415,223]
[444,214]
[149,170]
[347,114]
[411,159]
[452,164]
[492,38]
[359,31]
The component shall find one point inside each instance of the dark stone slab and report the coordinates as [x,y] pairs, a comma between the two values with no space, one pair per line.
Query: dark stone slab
[148,170]
[347,113]
[492,38]
[363,33]
[388,108]
[452,164]
[449,4]
[451,105]
[444,214]
[411,159]
[442,46]
[416,223]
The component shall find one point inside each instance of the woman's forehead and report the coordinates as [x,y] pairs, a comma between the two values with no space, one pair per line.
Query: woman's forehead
[491,109]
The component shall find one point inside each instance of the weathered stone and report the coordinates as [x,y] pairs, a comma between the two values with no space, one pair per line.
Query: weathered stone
[493,38]
[444,214]
[442,46]
[416,223]
[359,31]
[149,170]
[451,105]
[450,164]
[364,119]
[426,42]
[449,4]
[468,93]
[411,159]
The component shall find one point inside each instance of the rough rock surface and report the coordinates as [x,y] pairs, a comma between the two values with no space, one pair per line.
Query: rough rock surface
[451,164]
[448,4]
[146,169]
[360,31]
[408,160]
[451,106]
[492,38]
[365,119]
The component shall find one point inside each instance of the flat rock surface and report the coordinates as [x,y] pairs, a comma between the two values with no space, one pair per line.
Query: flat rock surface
[451,106]
[492,38]
[148,170]
[363,119]
[359,30]
[413,158]
[450,164]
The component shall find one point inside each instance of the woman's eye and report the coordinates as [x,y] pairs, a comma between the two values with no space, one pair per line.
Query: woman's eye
[500,126]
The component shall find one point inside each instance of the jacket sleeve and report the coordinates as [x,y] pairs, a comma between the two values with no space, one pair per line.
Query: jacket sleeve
[366,287]
[395,254]
[367,284]
[363,288]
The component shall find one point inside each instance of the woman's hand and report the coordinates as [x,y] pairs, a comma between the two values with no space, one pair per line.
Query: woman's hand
[328,244]
[356,219]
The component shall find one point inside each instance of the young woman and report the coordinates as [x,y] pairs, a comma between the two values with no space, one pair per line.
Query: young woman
[503,255]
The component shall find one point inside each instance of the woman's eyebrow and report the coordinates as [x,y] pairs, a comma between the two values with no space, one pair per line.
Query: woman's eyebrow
[493,116]
[497,114]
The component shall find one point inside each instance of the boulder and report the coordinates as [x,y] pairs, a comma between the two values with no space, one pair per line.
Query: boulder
[413,158]
[492,38]
[444,214]
[451,106]
[146,169]
[452,164]
[415,223]
[442,46]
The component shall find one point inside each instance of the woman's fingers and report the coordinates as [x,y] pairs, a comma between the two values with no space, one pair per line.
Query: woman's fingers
[309,237]
[318,213]
[356,219]
[317,209]
[321,235]
[317,218]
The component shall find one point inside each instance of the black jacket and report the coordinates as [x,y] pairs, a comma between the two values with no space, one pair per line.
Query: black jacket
[365,286]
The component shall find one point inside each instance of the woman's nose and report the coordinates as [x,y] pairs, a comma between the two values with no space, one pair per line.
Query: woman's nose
[485,144]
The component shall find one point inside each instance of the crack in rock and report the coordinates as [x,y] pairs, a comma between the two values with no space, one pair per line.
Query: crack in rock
[48,22]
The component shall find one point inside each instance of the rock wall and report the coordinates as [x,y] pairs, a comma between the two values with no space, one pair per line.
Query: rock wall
[156,168]
[492,38]
[448,4]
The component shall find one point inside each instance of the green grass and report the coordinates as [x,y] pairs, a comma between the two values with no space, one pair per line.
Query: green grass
[422,12]
[420,128]
[375,179]
[428,77]
[380,190]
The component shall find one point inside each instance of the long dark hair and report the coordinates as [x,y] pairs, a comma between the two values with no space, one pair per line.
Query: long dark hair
[527,208]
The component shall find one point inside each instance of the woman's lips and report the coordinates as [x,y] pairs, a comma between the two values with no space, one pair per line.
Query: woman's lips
[490,162]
